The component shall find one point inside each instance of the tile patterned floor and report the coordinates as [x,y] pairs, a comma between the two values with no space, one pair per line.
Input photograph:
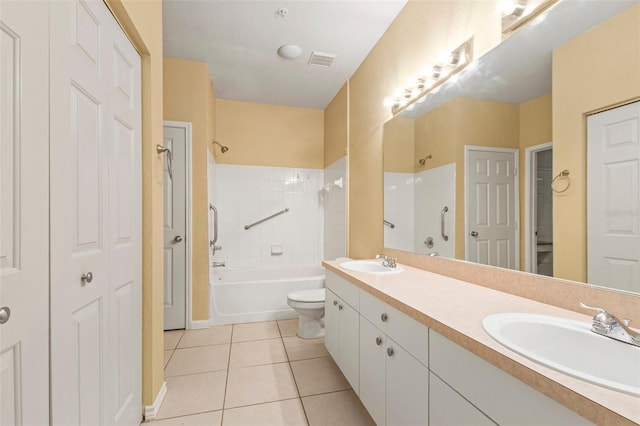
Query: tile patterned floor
[254,374]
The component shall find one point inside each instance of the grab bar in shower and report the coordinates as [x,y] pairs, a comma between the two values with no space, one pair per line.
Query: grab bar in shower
[444,236]
[266,218]
[212,243]
[389,224]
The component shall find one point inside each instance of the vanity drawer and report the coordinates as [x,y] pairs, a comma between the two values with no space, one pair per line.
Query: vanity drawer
[342,288]
[404,330]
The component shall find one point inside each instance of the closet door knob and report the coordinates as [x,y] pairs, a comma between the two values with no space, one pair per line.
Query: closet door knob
[86,278]
[378,341]
[384,317]
[177,239]
[5,313]
[390,351]
[335,303]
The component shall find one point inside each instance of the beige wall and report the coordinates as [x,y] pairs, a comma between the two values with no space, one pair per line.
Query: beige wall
[336,127]
[270,135]
[211,119]
[142,21]
[422,30]
[399,145]
[597,70]
[187,97]
[535,129]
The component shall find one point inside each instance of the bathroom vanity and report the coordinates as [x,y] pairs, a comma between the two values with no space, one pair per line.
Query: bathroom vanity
[412,346]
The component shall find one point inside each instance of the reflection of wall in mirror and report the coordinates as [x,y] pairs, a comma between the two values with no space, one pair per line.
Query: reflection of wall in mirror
[443,132]
[446,130]
[598,69]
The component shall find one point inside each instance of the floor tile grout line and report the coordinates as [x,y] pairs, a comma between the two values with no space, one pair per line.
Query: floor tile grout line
[306,417]
[261,403]
[226,382]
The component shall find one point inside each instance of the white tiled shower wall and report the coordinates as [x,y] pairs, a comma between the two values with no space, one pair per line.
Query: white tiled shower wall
[246,194]
[335,209]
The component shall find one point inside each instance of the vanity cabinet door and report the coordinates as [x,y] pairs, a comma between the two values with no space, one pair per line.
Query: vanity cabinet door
[373,345]
[349,345]
[342,328]
[332,324]
[407,387]
[448,408]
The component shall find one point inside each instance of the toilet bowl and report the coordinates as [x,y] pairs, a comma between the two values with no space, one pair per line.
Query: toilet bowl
[309,304]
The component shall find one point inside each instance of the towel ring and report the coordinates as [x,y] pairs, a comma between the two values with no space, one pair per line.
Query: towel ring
[563,174]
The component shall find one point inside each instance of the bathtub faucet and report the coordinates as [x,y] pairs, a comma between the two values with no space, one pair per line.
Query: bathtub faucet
[219,264]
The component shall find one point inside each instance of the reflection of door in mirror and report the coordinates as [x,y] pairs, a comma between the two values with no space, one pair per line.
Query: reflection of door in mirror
[543,213]
[613,196]
[492,206]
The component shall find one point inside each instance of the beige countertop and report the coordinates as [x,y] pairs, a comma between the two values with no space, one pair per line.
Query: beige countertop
[456,309]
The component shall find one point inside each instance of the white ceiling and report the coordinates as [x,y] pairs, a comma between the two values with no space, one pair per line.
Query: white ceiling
[239,40]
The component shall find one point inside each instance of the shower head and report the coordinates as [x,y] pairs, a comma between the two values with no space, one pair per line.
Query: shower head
[223,148]
[424,160]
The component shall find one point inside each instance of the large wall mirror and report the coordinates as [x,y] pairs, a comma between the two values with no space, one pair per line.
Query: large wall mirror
[469,173]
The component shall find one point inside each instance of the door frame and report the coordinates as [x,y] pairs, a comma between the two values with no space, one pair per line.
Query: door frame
[516,196]
[530,264]
[188,141]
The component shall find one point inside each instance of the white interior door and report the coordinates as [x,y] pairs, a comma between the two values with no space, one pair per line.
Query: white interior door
[613,194]
[491,206]
[95,218]
[175,228]
[24,212]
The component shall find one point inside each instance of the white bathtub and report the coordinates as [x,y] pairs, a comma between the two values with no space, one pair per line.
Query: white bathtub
[258,294]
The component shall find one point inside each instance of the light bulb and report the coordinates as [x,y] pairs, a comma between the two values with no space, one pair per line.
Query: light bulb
[388,101]
[421,99]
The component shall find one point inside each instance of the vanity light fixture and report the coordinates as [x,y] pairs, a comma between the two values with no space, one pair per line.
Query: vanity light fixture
[516,13]
[431,79]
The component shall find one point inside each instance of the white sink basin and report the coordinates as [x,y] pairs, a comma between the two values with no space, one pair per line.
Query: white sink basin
[569,347]
[371,266]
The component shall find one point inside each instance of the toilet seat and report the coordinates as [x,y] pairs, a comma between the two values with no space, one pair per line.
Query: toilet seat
[316,295]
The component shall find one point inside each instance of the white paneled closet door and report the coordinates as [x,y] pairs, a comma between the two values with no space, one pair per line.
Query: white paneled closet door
[95,218]
[24,212]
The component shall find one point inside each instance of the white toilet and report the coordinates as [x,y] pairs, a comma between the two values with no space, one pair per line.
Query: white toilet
[310,305]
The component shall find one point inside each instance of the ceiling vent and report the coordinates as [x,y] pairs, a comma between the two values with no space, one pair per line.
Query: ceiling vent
[321,59]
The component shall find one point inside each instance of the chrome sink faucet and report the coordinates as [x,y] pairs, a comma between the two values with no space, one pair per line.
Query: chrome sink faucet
[609,325]
[389,262]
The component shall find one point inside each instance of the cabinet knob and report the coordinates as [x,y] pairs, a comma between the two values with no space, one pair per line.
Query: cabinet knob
[339,307]
[378,341]
[390,351]
[384,317]
[335,303]
[86,278]
[5,313]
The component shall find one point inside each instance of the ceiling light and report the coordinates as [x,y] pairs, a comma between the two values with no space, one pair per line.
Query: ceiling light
[289,51]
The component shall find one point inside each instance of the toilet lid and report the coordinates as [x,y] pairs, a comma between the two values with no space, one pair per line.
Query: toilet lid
[315,295]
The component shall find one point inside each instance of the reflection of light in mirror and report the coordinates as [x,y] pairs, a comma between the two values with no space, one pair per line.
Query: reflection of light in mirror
[421,100]
[511,7]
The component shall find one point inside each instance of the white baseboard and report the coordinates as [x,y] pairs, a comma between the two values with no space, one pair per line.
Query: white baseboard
[151,411]
[199,324]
